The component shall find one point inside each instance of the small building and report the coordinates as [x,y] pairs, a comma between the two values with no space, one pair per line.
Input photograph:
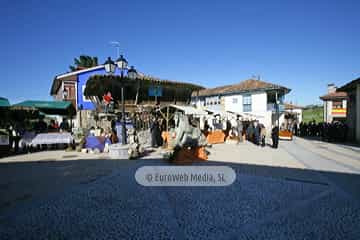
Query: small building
[71,87]
[251,96]
[334,104]
[353,109]
[292,115]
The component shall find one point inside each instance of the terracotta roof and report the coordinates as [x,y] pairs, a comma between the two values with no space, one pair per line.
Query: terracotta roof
[244,86]
[72,76]
[289,106]
[350,85]
[156,79]
[334,95]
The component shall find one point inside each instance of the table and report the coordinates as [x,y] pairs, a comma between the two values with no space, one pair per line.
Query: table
[53,138]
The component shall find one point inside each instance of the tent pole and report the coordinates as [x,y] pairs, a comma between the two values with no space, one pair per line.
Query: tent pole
[167,118]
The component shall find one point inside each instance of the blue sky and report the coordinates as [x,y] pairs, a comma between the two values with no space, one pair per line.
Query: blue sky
[303,45]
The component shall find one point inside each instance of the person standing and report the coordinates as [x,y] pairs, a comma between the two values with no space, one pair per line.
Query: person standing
[250,132]
[275,136]
[256,133]
[41,125]
[155,132]
[239,129]
[64,125]
[113,137]
[161,125]
[296,128]
[262,134]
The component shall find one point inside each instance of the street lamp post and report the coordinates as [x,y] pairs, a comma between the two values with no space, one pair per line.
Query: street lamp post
[110,67]
[278,115]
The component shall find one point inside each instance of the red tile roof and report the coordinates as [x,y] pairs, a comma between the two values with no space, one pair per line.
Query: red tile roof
[247,85]
[334,95]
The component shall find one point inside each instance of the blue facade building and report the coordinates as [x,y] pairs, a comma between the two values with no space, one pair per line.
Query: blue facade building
[74,84]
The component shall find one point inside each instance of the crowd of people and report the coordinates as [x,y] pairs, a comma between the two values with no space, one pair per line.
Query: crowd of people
[253,131]
[256,133]
[335,131]
[23,129]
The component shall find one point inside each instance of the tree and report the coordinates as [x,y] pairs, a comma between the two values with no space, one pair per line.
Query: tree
[84,61]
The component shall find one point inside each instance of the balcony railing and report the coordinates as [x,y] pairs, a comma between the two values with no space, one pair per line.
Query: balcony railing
[272,107]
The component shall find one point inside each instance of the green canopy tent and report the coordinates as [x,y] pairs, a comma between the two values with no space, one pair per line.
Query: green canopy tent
[4,102]
[11,115]
[4,112]
[64,108]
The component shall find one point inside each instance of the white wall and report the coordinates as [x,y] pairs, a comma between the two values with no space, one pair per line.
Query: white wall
[258,103]
[199,103]
[327,113]
[258,107]
[231,106]
[299,112]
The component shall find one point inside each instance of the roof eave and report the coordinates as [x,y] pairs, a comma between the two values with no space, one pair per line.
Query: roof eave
[286,91]
[333,98]
[79,71]
[54,87]
[349,86]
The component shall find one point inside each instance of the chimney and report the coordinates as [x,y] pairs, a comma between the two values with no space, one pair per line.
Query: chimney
[331,88]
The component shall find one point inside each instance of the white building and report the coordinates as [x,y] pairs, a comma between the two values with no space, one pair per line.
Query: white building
[353,109]
[251,96]
[334,104]
[293,115]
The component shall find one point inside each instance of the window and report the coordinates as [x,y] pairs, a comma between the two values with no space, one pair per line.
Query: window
[247,103]
[337,104]
[70,91]
[234,100]
[84,98]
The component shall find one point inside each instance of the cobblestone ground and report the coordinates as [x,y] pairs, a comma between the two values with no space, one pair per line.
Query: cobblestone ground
[265,202]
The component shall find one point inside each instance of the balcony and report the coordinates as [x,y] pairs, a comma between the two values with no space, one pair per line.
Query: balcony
[272,107]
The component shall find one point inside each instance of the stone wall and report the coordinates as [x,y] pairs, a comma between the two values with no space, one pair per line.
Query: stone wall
[86,119]
[144,137]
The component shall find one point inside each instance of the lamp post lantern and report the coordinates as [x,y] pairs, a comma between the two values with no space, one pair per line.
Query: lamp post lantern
[110,67]
[132,73]
[121,63]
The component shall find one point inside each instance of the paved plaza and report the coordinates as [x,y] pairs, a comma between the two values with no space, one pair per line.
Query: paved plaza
[306,189]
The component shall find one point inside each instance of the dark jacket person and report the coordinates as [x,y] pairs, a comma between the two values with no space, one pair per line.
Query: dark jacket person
[155,134]
[275,136]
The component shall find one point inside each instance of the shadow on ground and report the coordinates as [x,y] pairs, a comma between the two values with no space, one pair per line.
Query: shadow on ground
[100,198]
